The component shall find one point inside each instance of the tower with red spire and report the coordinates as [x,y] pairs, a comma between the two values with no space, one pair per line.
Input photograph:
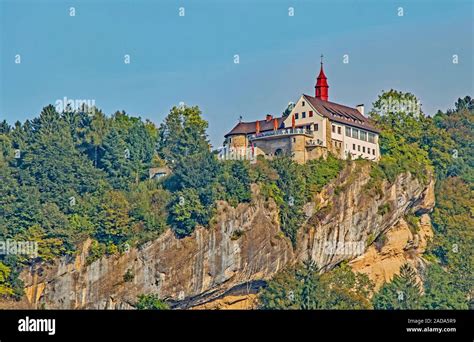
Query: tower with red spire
[322,88]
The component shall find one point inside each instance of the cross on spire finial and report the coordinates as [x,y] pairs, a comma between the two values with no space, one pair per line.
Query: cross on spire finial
[322,59]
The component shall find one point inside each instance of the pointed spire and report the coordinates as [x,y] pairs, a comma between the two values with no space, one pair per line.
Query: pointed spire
[321,86]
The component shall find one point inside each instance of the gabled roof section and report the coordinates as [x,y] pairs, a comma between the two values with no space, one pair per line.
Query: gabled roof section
[342,114]
[250,127]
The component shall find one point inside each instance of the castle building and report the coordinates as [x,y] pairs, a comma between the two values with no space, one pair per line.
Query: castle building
[314,127]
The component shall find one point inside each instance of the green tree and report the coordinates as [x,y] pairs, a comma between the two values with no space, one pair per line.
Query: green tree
[303,287]
[186,211]
[403,292]
[149,206]
[235,182]
[5,288]
[53,165]
[182,134]
[441,291]
[116,160]
[114,220]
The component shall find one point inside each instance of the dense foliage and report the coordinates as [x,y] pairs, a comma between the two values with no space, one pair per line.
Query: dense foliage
[291,185]
[69,176]
[303,287]
[403,292]
[448,140]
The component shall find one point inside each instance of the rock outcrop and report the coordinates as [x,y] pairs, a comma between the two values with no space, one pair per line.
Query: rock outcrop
[243,245]
[401,246]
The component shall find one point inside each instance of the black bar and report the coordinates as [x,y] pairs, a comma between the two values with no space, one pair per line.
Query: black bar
[85,325]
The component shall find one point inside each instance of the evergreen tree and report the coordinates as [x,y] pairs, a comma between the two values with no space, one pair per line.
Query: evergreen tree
[403,292]
[116,160]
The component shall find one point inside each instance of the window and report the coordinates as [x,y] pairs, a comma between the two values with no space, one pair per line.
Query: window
[333,129]
[371,138]
[373,151]
[310,113]
[296,116]
[294,139]
[339,130]
[230,140]
[308,127]
[354,147]
[355,133]
[358,148]
[303,115]
[302,104]
[363,149]
[316,127]
[348,131]
[363,135]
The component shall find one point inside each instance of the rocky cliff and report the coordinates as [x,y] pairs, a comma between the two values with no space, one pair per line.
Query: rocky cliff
[401,246]
[242,246]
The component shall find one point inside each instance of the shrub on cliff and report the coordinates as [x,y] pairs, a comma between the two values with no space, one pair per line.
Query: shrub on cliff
[291,185]
[150,302]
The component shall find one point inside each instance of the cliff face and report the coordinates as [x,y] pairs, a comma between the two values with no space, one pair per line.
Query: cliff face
[242,246]
[401,246]
[350,214]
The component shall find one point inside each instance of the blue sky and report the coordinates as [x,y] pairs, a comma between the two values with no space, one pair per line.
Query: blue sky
[191,58]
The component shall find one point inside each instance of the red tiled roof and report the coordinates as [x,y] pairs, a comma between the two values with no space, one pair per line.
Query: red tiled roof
[342,114]
[250,127]
[333,111]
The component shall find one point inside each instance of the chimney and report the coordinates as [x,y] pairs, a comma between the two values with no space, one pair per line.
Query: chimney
[360,108]
[269,117]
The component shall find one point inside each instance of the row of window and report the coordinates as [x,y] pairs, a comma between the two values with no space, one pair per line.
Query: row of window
[303,115]
[363,149]
[360,134]
[355,133]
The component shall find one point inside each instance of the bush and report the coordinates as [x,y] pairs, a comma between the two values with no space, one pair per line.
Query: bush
[96,251]
[150,302]
[128,276]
